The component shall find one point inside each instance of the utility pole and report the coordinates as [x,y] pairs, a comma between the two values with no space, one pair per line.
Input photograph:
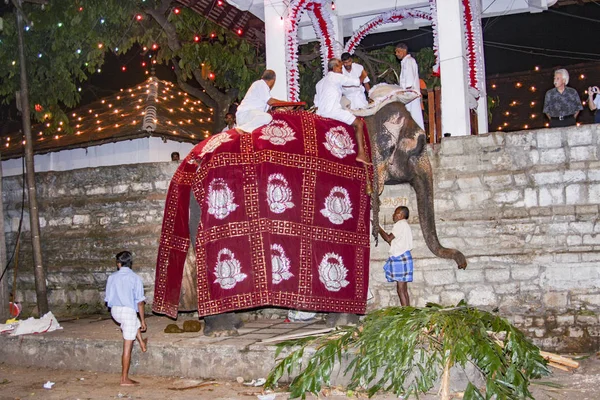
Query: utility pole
[39,272]
[4,292]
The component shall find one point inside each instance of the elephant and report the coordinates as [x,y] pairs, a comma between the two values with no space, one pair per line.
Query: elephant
[279,217]
[398,152]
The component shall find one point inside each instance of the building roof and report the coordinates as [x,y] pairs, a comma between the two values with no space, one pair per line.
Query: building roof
[154,108]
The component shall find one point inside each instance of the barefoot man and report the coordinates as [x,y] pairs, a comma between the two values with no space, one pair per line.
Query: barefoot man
[125,298]
[252,111]
[327,101]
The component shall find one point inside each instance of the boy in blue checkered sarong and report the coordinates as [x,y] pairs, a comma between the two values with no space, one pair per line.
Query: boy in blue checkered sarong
[399,267]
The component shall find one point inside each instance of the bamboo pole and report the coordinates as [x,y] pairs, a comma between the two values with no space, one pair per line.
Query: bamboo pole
[34,218]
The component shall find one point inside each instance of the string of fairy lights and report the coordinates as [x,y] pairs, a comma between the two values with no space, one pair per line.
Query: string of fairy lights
[535,102]
[178,114]
[95,119]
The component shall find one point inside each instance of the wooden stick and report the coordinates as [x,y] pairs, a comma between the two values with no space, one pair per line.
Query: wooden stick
[445,387]
[555,358]
[558,366]
[316,332]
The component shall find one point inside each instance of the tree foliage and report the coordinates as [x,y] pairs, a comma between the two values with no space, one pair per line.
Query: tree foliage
[66,42]
[403,350]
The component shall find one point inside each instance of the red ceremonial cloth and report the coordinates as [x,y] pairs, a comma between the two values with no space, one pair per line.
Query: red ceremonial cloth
[284,220]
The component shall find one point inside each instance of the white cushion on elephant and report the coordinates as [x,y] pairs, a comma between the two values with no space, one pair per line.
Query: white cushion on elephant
[383,94]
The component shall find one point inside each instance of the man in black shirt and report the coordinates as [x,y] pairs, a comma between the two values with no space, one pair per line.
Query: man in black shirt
[562,104]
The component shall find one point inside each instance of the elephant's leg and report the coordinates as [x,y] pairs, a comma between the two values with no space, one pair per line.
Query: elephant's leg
[340,319]
[422,182]
[222,325]
[214,325]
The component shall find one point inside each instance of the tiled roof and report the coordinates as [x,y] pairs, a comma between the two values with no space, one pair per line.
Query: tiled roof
[154,108]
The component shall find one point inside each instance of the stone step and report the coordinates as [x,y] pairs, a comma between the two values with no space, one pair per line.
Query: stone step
[95,344]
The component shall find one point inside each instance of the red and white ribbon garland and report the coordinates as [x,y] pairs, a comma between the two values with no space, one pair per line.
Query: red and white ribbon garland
[330,48]
[385,18]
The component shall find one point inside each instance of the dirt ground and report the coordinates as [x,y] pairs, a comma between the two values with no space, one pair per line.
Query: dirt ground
[27,383]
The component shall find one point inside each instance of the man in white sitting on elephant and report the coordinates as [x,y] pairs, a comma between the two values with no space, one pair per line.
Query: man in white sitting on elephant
[409,79]
[356,94]
[327,101]
[252,111]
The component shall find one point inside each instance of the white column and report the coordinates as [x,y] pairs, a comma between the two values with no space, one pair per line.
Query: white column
[338,29]
[482,109]
[453,68]
[275,45]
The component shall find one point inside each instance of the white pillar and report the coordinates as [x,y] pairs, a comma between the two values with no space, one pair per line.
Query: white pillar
[482,109]
[338,29]
[453,68]
[275,45]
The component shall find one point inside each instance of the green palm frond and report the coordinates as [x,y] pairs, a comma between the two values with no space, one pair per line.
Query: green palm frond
[404,350]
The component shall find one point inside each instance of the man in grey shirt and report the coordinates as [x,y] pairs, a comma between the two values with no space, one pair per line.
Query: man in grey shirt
[562,104]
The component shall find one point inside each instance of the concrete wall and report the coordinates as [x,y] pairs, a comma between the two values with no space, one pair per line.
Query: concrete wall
[523,207]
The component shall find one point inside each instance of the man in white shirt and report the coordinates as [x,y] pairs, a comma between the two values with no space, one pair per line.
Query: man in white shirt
[252,111]
[229,122]
[327,101]
[409,79]
[356,94]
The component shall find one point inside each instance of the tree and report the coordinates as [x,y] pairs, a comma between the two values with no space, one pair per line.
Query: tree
[220,65]
[67,42]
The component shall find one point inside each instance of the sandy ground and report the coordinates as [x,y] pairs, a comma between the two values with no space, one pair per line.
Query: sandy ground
[27,383]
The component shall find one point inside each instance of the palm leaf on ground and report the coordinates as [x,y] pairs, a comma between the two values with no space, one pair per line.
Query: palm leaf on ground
[407,350]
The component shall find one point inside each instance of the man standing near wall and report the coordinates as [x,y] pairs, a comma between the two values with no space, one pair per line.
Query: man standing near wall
[562,104]
[409,79]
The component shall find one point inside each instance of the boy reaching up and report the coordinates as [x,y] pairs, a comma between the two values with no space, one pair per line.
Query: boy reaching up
[399,266]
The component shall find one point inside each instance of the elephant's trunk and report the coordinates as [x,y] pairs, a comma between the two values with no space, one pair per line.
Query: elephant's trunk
[422,182]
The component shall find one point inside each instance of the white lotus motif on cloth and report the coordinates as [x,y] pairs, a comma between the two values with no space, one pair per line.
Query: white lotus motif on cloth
[337,206]
[215,142]
[280,264]
[220,199]
[279,195]
[338,142]
[278,132]
[228,269]
[332,272]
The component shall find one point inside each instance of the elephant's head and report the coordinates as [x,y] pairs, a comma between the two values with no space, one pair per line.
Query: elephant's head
[398,139]
[400,156]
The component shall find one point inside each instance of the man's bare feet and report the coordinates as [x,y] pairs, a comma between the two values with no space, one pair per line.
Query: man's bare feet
[144,345]
[129,382]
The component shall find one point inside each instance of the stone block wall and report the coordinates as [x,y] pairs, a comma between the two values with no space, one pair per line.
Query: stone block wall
[523,208]
[86,217]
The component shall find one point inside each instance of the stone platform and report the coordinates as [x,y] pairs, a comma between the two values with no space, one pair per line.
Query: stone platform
[95,344]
